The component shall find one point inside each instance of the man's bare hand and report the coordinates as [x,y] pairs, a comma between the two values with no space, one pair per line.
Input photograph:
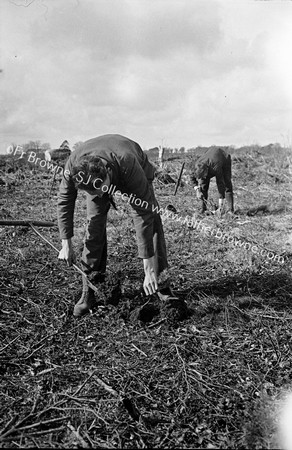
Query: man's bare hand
[199,193]
[66,253]
[150,284]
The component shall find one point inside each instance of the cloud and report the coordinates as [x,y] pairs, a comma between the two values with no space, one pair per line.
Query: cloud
[185,70]
[113,29]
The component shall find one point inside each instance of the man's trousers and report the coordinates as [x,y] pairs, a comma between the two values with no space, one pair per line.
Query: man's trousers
[94,257]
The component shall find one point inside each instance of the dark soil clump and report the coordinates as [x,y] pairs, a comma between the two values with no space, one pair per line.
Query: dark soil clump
[172,310]
[175,310]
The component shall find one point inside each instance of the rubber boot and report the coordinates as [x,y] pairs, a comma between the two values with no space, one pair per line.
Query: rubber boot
[229,201]
[86,302]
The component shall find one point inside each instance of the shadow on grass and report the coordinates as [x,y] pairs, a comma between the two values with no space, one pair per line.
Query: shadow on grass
[260,209]
[272,289]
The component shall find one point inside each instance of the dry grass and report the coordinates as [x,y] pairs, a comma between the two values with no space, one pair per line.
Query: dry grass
[111,380]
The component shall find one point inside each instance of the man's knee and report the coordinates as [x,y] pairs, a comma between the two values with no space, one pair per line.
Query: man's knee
[95,229]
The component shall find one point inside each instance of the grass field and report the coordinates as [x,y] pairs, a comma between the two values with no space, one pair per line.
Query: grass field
[122,379]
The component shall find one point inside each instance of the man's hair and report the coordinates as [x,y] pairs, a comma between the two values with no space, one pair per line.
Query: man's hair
[89,173]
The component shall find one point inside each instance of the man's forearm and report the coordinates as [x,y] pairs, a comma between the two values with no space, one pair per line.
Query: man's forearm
[144,234]
[65,211]
[65,224]
[150,264]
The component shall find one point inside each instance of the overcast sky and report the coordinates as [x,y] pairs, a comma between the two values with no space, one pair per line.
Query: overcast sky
[176,72]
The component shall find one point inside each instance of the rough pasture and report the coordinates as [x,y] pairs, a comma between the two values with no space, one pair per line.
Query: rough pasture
[136,375]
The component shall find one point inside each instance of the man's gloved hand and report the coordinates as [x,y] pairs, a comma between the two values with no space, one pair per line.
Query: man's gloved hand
[66,253]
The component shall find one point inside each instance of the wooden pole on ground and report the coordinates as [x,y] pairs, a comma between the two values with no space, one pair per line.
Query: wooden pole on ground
[26,223]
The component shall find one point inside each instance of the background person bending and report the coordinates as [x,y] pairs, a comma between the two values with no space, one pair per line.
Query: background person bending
[100,166]
[214,163]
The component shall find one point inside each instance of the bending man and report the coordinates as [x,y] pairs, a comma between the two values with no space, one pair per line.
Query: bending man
[214,163]
[101,166]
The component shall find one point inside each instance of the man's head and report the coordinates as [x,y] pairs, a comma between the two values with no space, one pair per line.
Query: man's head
[201,170]
[91,175]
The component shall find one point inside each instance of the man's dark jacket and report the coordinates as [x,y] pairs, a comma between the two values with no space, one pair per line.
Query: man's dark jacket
[130,172]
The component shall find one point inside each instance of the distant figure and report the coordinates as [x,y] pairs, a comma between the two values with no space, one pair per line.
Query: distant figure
[213,163]
[59,154]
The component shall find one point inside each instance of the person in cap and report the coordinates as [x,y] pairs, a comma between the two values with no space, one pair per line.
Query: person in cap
[104,166]
[214,163]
